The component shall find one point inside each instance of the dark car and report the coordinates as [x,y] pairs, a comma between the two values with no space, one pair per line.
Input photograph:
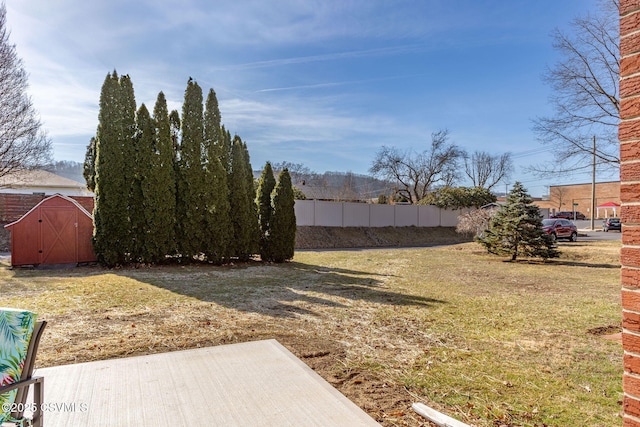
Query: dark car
[611,224]
[569,215]
[560,229]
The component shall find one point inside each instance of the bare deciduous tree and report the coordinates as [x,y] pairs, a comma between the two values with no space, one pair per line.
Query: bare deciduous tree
[486,170]
[23,145]
[297,171]
[417,173]
[559,196]
[585,92]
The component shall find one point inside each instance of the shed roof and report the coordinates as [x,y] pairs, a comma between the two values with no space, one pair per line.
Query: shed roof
[68,199]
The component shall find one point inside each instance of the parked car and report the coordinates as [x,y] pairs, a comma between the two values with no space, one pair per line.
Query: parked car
[560,229]
[611,224]
[569,215]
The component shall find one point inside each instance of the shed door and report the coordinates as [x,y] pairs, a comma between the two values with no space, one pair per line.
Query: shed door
[58,225]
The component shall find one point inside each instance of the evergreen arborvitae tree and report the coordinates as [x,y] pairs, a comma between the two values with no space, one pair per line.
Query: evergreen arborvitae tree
[89,166]
[174,124]
[140,197]
[266,184]
[217,223]
[243,209]
[516,229]
[190,207]
[226,151]
[114,138]
[160,186]
[251,197]
[283,222]
[129,134]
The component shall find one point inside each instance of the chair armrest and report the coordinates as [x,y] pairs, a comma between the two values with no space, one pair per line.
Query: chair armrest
[38,398]
[20,384]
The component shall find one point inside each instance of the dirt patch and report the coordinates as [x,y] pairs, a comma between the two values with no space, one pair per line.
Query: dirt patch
[375,237]
[605,330]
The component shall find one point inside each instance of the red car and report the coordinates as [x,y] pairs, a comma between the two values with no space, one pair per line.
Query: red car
[560,229]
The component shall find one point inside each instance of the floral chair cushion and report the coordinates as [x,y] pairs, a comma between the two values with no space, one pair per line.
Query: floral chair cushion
[16,327]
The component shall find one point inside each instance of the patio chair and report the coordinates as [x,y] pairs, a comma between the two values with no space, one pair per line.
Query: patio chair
[19,338]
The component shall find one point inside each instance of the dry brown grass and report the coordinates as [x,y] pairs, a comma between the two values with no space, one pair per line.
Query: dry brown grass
[487,341]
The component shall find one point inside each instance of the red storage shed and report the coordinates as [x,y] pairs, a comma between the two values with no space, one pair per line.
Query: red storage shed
[57,230]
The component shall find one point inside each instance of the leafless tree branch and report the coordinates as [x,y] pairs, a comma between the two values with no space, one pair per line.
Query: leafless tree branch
[23,145]
[585,91]
[417,173]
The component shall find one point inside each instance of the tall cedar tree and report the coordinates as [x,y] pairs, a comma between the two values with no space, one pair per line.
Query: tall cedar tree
[89,166]
[251,197]
[139,214]
[266,184]
[217,223]
[114,138]
[283,221]
[174,123]
[242,203]
[190,208]
[129,135]
[516,229]
[225,151]
[161,185]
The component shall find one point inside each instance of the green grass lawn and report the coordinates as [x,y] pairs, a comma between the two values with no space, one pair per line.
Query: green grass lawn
[485,341]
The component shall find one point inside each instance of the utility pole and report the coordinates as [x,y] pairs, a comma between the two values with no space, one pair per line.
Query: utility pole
[593,185]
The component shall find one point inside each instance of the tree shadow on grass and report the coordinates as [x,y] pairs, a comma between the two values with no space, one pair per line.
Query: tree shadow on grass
[279,290]
[290,289]
[557,262]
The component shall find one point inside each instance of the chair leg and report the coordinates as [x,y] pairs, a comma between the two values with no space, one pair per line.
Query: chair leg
[38,399]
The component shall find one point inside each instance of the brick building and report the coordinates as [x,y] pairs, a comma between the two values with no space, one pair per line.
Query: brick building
[629,136]
[564,197]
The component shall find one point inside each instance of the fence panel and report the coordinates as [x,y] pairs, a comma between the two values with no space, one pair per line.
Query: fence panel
[429,216]
[356,214]
[304,210]
[406,215]
[450,218]
[328,214]
[339,214]
[382,215]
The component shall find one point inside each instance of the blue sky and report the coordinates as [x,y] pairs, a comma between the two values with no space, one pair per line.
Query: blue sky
[322,83]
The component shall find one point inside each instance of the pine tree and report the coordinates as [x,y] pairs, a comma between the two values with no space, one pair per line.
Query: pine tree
[243,208]
[266,184]
[283,222]
[163,182]
[217,223]
[111,214]
[190,204]
[516,229]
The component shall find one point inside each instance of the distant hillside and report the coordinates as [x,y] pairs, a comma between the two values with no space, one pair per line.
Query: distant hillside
[68,169]
[345,186]
[327,185]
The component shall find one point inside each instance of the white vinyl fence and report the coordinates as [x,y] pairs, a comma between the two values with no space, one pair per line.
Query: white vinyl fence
[342,214]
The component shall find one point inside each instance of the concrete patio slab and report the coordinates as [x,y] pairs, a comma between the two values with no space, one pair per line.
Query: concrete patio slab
[256,383]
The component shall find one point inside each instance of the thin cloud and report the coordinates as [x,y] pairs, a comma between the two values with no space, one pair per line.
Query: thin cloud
[394,50]
[335,84]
